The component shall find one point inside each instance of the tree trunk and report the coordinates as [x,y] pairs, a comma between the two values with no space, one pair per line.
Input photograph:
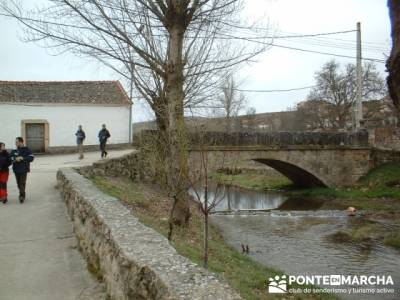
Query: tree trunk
[205,258]
[341,116]
[206,240]
[393,63]
[177,138]
[161,146]
[228,123]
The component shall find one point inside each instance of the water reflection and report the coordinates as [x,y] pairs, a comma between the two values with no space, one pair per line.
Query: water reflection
[229,198]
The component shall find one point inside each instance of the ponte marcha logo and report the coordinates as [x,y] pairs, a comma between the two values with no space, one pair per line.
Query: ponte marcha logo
[354,283]
[277,285]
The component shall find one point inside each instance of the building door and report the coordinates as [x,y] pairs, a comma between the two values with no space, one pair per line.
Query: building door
[35,137]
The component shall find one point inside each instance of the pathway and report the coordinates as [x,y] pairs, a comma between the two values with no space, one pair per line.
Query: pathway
[38,254]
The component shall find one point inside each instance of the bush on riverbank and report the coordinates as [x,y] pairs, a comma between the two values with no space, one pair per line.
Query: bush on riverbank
[152,207]
[360,230]
[393,240]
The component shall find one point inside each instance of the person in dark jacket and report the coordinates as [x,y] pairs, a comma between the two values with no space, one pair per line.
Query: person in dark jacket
[5,162]
[21,159]
[80,137]
[104,135]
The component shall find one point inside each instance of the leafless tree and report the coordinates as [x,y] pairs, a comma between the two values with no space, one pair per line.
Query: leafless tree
[230,102]
[206,194]
[251,118]
[339,88]
[170,50]
[313,115]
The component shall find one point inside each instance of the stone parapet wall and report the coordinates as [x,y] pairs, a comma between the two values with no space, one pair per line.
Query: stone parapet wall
[74,149]
[270,139]
[387,138]
[380,156]
[129,166]
[134,261]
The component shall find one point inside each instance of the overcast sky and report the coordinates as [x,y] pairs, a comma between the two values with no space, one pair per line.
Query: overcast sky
[277,68]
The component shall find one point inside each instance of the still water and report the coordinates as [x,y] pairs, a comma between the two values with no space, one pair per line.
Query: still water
[229,198]
[296,241]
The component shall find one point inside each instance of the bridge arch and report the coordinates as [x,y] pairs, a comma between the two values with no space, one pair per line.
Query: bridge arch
[299,176]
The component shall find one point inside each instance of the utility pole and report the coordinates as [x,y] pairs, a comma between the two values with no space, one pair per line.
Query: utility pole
[358,105]
[130,109]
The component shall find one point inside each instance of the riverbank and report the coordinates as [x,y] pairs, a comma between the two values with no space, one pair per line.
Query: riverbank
[377,195]
[151,206]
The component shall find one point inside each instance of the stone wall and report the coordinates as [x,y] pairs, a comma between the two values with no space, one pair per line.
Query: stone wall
[86,148]
[332,167]
[129,166]
[270,139]
[282,138]
[380,156]
[387,138]
[134,261]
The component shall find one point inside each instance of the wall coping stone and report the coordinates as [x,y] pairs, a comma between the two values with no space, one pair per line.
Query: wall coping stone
[135,261]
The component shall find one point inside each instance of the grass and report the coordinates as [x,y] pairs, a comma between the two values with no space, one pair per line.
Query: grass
[380,182]
[378,191]
[253,180]
[393,240]
[364,232]
[151,207]
[384,175]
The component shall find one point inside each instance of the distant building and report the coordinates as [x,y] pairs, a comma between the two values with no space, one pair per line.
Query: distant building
[47,114]
[380,113]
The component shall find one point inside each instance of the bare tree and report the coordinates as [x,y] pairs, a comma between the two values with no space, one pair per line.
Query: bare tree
[313,115]
[207,195]
[230,102]
[168,49]
[339,88]
[250,119]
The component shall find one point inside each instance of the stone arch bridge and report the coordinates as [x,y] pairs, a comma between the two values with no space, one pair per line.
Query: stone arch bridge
[307,158]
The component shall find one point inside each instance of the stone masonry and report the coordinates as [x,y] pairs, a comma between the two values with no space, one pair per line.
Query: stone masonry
[134,261]
[128,166]
[307,167]
[307,158]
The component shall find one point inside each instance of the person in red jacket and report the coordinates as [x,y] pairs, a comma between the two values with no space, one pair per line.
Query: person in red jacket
[5,162]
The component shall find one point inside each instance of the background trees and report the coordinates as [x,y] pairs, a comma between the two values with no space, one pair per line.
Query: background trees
[338,87]
[171,51]
[230,102]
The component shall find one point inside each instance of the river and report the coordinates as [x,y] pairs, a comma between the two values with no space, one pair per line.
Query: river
[296,240]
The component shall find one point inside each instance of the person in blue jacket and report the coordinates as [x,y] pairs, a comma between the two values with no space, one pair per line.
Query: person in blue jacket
[21,159]
[104,135]
[80,137]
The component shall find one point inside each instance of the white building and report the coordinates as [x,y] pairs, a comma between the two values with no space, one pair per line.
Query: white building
[47,114]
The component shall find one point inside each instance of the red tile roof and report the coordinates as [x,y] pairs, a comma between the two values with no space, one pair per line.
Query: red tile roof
[59,92]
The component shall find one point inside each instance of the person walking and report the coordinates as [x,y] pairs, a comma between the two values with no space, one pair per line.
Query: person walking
[21,159]
[80,137]
[104,135]
[5,162]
